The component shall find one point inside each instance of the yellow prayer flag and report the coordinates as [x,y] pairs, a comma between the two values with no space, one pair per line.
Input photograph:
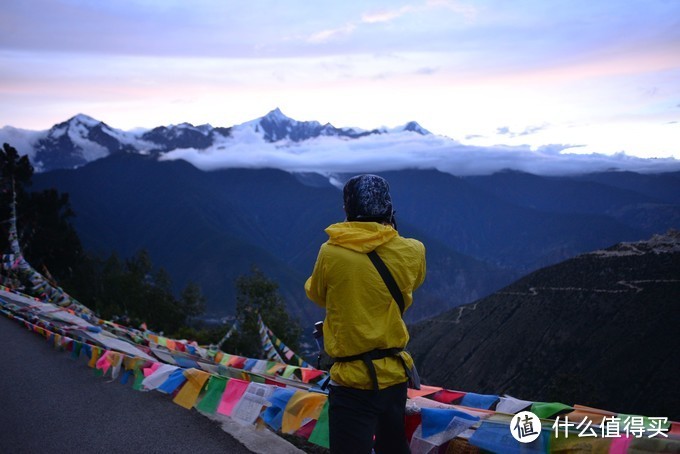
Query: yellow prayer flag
[96,353]
[115,358]
[187,396]
[275,368]
[131,363]
[302,405]
[226,358]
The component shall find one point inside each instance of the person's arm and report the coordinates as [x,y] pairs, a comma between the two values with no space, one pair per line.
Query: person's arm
[315,287]
[422,271]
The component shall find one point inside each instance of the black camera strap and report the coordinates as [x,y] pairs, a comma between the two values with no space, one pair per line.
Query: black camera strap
[388,278]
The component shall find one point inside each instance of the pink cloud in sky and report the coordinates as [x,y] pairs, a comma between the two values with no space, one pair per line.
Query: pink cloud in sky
[460,68]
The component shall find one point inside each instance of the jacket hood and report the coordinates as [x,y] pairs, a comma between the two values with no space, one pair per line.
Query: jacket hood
[360,236]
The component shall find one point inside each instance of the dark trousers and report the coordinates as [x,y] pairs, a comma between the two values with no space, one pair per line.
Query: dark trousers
[356,415]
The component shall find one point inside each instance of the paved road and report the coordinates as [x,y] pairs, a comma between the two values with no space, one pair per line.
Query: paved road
[52,403]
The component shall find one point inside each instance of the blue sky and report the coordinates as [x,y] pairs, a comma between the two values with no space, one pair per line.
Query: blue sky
[597,76]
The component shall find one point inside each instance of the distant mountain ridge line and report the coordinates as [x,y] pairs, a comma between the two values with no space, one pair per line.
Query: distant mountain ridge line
[82,139]
[534,291]
[280,142]
[210,227]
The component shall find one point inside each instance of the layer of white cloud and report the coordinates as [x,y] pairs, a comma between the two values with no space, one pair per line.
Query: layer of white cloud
[396,151]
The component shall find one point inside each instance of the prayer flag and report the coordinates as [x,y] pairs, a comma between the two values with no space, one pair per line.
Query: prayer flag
[232,393]
[483,401]
[237,362]
[103,362]
[95,356]
[510,405]
[319,435]
[303,405]
[619,445]
[548,410]
[423,391]
[151,369]
[447,397]
[248,409]
[306,430]
[436,420]
[290,370]
[656,444]
[260,366]
[575,444]
[496,437]
[139,379]
[195,380]
[310,374]
[77,347]
[411,422]
[273,415]
[211,399]
[275,368]
[158,377]
[249,364]
[125,377]
[172,382]
[595,415]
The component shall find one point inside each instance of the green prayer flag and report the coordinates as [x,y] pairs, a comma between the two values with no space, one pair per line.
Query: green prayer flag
[319,435]
[545,410]
[213,394]
[225,358]
[76,349]
[289,371]
[139,378]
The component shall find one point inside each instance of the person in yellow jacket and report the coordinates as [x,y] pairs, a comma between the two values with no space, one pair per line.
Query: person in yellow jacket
[363,329]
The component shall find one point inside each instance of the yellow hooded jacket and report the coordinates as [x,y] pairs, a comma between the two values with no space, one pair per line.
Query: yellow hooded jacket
[361,315]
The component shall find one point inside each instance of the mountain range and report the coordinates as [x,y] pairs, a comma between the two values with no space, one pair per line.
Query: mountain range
[211,227]
[83,139]
[278,141]
[202,222]
[599,330]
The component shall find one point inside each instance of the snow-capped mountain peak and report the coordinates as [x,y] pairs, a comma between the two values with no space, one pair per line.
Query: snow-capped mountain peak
[84,120]
[82,139]
[415,127]
[276,116]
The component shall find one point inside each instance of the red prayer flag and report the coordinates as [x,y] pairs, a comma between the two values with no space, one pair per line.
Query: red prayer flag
[447,397]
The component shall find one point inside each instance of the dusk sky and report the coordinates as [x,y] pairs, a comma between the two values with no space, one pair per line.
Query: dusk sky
[601,76]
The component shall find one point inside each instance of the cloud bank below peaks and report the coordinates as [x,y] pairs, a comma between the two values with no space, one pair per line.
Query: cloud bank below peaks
[406,150]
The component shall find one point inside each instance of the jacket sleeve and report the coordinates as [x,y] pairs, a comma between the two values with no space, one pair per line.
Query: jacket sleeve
[420,278]
[315,287]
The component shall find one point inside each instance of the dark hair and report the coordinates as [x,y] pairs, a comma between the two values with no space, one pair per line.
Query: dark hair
[367,198]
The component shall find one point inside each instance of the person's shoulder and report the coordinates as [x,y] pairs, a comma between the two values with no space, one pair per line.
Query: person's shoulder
[413,243]
[328,248]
